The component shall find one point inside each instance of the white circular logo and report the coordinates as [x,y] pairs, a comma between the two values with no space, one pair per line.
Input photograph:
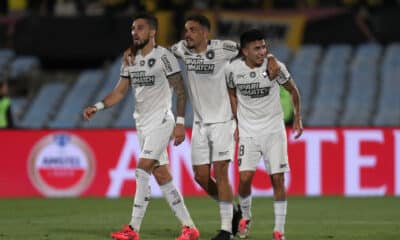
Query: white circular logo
[61,165]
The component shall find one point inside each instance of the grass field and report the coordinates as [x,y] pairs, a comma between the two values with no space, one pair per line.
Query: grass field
[95,218]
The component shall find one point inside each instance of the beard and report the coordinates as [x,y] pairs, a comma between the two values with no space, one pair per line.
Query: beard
[141,45]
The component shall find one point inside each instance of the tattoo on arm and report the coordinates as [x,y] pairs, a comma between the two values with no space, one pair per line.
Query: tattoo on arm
[176,81]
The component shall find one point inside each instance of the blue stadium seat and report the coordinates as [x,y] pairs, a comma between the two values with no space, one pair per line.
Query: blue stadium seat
[303,69]
[43,105]
[330,86]
[23,65]
[363,86]
[388,109]
[77,99]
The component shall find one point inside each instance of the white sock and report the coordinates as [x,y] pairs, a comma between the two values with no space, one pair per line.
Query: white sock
[280,215]
[142,197]
[177,204]
[226,212]
[245,206]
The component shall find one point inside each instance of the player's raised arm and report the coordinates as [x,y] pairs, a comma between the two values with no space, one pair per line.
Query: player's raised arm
[291,87]
[114,97]
[273,67]
[176,81]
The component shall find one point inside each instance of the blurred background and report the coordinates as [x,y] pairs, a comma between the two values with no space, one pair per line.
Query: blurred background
[343,54]
[58,56]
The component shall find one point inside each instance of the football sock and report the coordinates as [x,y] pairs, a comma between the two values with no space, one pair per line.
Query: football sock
[177,204]
[142,197]
[245,206]
[226,212]
[280,215]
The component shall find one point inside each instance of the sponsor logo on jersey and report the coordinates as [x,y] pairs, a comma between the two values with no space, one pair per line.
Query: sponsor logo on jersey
[142,62]
[167,63]
[253,90]
[230,47]
[151,62]
[61,165]
[197,65]
[140,79]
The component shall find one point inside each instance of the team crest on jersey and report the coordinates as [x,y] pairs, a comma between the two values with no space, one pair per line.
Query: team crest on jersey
[210,54]
[264,74]
[142,62]
[252,74]
[151,62]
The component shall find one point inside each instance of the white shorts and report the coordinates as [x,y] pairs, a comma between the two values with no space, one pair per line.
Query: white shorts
[154,144]
[212,142]
[273,147]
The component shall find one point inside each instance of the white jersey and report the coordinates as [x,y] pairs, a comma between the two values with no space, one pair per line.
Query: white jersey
[259,110]
[206,80]
[150,86]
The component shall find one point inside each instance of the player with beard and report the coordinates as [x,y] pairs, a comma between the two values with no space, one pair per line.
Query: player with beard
[255,102]
[153,73]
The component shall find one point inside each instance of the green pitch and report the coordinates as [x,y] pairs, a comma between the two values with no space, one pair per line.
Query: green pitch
[94,218]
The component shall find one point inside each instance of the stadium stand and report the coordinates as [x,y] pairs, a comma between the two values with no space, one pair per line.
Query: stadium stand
[303,68]
[77,98]
[330,86]
[43,105]
[339,84]
[363,86]
[388,109]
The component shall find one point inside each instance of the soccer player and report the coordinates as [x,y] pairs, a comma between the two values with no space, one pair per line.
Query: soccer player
[154,72]
[213,127]
[261,131]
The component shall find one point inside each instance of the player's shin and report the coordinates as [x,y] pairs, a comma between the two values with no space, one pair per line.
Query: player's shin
[177,204]
[142,197]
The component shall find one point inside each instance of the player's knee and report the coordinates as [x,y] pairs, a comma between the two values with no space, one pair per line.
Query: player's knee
[278,181]
[246,178]
[201,178]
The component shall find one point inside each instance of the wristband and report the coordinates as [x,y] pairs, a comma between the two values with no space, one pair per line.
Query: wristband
[180,120]
[99,105]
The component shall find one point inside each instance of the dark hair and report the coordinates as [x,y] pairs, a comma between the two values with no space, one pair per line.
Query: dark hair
[250,36]
[201,19]
[150,19]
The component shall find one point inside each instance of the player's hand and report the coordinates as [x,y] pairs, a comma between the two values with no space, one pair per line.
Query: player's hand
[128,57]
[89,112]
[236,135]
[297,127]
[179,134]
[273,68]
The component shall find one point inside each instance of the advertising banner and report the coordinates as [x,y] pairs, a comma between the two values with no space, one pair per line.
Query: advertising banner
[326,161]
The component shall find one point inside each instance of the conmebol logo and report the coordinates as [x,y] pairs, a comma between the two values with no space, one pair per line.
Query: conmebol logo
[61,165]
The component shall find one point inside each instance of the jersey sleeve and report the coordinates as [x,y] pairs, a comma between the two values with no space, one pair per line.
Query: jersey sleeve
[284,75]
[124,73]
[170,63]
[230,49]
[178,49]
[229,76]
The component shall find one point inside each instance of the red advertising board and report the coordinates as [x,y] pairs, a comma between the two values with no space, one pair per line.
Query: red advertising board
[326,161]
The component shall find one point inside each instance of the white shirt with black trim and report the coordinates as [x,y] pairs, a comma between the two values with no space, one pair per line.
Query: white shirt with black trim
[259,110]
[151,89]
[206,81]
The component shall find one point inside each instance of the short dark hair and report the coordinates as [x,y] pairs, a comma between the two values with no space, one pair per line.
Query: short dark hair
[201,19]
[150,19]
[250,36]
